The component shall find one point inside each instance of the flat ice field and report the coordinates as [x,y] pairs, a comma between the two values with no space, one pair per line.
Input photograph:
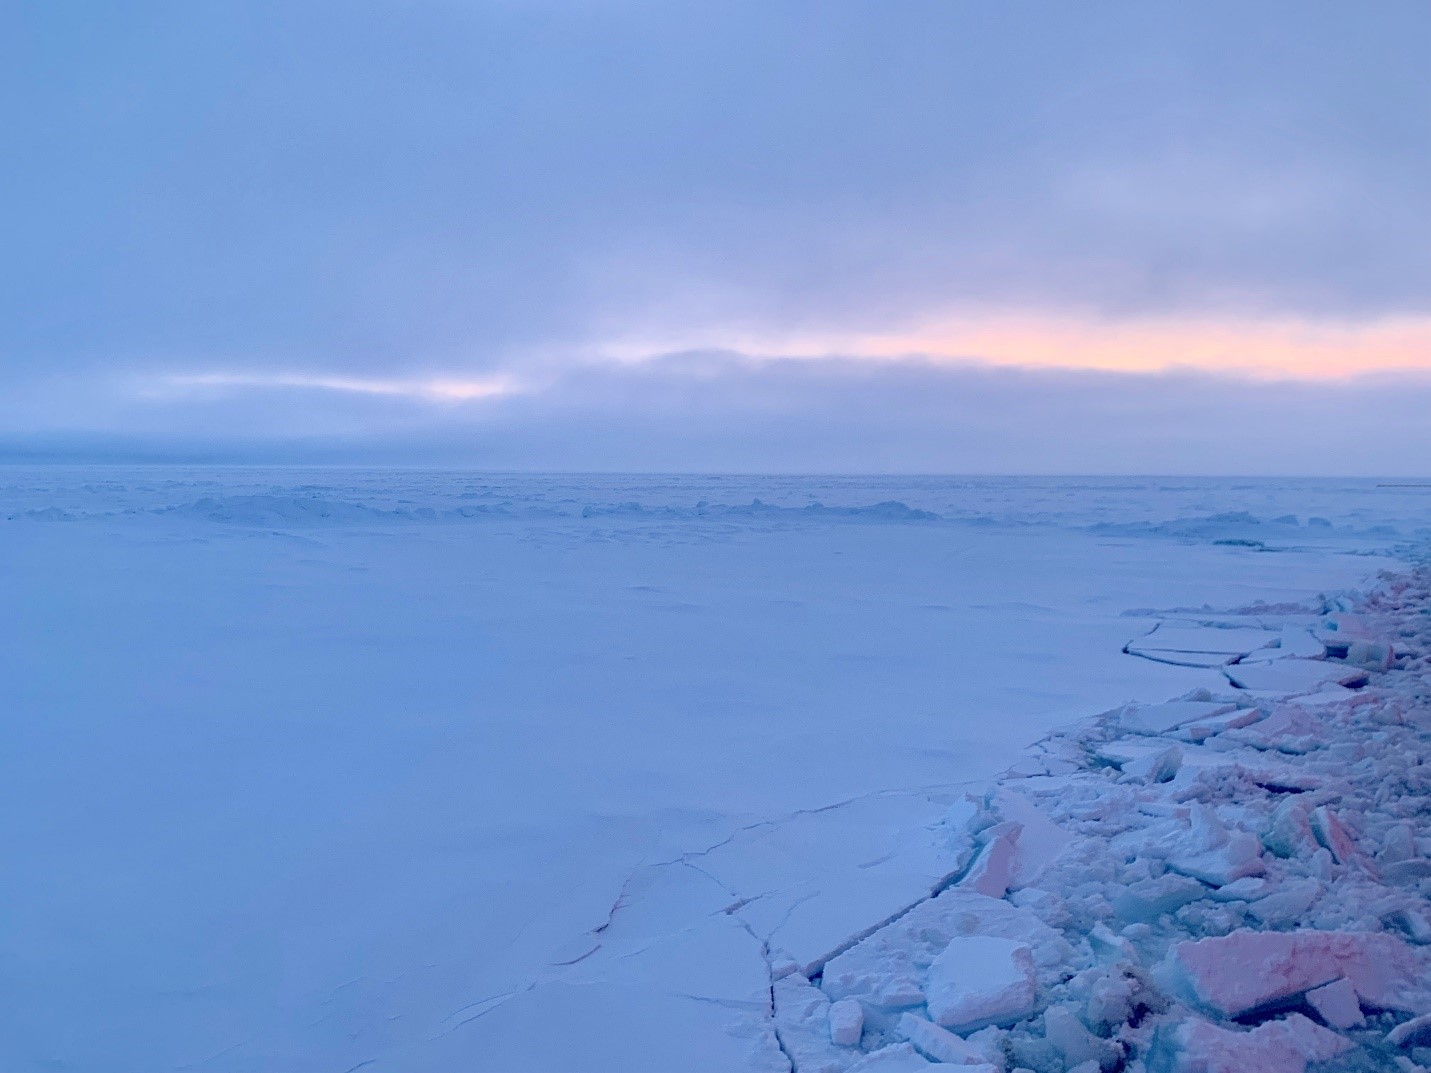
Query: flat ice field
[328,770]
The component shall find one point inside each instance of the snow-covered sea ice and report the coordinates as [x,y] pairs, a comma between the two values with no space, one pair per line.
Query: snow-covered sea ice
[429,771]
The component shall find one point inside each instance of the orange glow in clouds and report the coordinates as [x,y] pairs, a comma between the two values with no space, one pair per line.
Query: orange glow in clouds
[1256,348]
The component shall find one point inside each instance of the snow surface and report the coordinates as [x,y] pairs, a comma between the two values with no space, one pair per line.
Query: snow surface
[382,770]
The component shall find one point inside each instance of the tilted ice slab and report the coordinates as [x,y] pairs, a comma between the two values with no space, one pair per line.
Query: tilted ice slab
[1283,1046]
[1199,646]
[1234,975]
[1156,719]
[1292,676]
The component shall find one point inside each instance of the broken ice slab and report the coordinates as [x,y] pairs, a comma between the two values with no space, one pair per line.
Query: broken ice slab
[1239,857]
[1198,646]
[993,869]
[981,980]
[811,1033]
[1198,730]
[1246,971]
[1040,840]
[1126,751]
[815,921]
[936,1043]
[1292,675]
[1326,696]
[1333,834]
[816,882]
[1299,642]
[1147,899]
[1161,718]
[903,1058]
[1289,729]
[870,969]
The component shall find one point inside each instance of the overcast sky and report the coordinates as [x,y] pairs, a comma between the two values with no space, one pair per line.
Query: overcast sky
[943,236]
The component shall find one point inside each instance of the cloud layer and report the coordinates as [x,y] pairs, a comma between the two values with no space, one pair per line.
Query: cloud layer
[271,205]
[723,412]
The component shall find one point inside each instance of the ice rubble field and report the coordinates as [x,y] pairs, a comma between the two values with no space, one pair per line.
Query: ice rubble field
[342,769]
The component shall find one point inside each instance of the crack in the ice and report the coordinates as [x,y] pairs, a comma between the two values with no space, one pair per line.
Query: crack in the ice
[740,903]
[784,818]
[952,879]
[775,1029]
[740,1005]
[498,998]
[620,902]
[789,911]
[219,1054]
[482,1013]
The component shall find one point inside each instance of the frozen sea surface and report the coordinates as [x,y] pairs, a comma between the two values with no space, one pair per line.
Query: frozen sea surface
[327,769]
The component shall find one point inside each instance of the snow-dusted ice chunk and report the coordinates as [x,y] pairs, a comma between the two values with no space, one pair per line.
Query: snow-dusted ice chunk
[1336,1004]
[1399,843]
[1371,655]
[1285,1046]
[1292,675]
[1214,853]
[847,1022]
[1412,1032]
[1412,871]
[1157,767]
[1147,899]
[1287,904]
[938,1044]
[1244,889]
[981,980]
[1414,923]
[1073,1041]
[1289,833]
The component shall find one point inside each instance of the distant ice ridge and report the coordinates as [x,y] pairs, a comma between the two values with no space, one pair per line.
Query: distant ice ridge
[304,510]
[1258,515]
[1235,881]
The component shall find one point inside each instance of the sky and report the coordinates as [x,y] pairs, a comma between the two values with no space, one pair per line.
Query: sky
[825,236]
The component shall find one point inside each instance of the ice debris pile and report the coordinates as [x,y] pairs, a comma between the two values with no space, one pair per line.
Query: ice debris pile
[1235,881]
